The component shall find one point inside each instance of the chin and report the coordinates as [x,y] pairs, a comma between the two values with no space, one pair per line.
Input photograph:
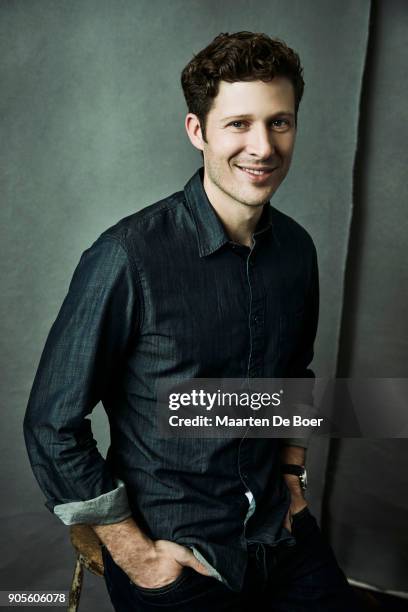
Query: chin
[258,199]
[253,203]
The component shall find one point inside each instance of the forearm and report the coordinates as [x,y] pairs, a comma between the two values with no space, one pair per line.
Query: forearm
[123,539]
[293,454]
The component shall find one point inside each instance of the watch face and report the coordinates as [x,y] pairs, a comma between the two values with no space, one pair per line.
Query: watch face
[296,470]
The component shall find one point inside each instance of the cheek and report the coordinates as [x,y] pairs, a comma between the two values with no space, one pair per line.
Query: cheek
[287,146]
[229,146]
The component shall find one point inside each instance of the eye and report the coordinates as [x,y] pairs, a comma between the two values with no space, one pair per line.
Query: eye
[281,124]
[239,125]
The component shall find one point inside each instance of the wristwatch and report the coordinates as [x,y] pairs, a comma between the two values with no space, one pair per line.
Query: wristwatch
[296,470]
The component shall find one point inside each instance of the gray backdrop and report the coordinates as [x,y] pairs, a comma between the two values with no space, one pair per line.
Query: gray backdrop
[92,130]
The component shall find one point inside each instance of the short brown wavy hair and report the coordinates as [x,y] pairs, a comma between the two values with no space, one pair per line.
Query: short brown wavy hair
[243,56]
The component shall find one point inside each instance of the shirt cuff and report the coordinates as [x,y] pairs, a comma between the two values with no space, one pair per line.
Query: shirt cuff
[302,442]
[108,508]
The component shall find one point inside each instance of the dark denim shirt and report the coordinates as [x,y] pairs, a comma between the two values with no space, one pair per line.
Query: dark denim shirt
[165,293]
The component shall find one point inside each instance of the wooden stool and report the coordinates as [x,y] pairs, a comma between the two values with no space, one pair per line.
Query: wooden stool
[89,555]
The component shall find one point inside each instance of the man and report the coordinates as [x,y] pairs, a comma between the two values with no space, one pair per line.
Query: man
[210,282]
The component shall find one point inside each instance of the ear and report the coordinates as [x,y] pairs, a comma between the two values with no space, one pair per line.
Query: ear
[193,130]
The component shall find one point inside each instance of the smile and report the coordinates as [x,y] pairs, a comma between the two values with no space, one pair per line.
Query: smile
[257,172]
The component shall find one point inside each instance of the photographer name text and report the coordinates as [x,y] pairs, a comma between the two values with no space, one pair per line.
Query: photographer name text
[251,421]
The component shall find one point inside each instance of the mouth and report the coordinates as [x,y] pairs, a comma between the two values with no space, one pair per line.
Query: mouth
[257,174]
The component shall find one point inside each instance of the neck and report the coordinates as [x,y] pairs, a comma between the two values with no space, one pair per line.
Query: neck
[239,220]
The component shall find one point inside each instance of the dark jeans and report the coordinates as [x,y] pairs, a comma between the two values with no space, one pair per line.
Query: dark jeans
[279,579]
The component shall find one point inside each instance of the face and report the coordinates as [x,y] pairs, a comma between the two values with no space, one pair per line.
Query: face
[250,133]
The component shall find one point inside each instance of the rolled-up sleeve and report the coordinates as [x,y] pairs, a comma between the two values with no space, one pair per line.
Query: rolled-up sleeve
[303,355]
[83,357]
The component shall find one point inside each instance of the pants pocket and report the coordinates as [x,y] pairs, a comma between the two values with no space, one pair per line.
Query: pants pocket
[188,586]
[165,588]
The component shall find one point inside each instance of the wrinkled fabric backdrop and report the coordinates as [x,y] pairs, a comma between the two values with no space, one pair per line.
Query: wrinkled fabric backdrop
[92,130]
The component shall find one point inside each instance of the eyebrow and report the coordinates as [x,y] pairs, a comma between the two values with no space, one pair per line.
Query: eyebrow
[249,116]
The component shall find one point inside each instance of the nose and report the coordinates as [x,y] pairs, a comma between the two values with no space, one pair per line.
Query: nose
[261,142]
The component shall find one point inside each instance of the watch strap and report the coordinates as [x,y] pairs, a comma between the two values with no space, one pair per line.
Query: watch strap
[291,468]
[296,470]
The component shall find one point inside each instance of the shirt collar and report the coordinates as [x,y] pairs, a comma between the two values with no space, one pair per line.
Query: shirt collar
[211,233]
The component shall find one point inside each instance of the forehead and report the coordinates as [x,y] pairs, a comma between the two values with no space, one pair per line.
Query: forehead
[252,97]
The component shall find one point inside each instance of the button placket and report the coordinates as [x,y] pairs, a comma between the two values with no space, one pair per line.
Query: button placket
[256,317]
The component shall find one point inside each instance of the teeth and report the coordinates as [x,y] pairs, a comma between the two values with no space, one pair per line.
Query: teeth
[253,171]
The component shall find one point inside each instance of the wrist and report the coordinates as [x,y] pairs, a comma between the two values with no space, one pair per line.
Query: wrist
[295,476]
[132,547]
[121,538]
[296,498]
[297,505]
[293,484]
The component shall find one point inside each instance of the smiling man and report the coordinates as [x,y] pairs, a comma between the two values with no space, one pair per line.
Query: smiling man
[211,282]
